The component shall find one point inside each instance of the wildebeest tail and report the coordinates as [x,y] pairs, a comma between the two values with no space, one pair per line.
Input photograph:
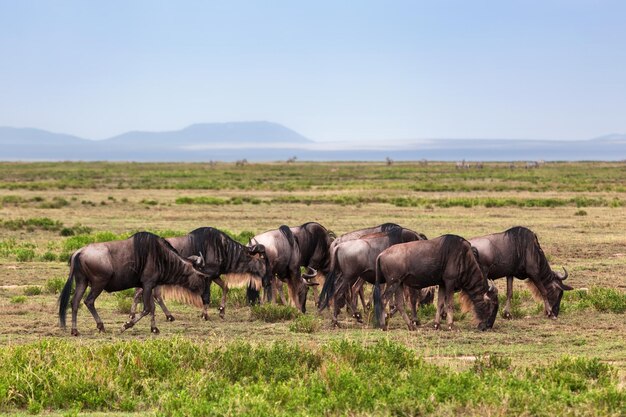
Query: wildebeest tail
[64,298]
[379,318]
[328,289]
[286,231]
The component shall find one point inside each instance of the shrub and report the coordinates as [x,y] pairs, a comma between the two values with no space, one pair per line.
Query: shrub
[32,290]
[580,213]
[304,324]
[608,300]
[54,285]
[57,202]
[272,313]
[48,257]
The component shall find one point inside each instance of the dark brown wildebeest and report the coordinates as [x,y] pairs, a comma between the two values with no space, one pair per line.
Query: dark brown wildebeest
[446,261]
[516,253]
[143,260]
[290,248]
[356,259]
[222,256]
[358,286]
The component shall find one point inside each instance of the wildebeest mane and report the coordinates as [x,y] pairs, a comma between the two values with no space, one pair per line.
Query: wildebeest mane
[525,244]
[387,226]
[165,258]
[217,246]
[312,240]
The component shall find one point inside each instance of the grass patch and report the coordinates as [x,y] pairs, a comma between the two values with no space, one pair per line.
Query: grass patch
[54,285]
[272,313]
[179,377]
[43,223]
[18,299]
[304,324]
[32,290]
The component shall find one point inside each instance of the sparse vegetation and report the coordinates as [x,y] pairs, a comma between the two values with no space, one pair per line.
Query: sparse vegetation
[272,313]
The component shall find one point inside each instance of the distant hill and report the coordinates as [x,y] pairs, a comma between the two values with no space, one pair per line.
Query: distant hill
[266,141]
[205,135]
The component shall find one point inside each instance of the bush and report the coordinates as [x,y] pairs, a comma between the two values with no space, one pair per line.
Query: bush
[304,324]
[48,257]
[580,213]
[18,299]
[54,285]
[32,290]
[608,300]
[272,313]
[24,254]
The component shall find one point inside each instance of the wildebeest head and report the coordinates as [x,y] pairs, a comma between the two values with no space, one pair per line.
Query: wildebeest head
[554,292]
[259,264]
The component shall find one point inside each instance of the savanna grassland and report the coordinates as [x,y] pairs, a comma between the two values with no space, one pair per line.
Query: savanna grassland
[271,360]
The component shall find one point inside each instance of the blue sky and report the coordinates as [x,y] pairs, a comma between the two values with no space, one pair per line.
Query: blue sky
[331,70]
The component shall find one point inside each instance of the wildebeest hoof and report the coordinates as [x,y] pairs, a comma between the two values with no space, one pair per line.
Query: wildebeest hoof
[127,325]
[335,324]
[221,311]
[507,315]
[155,330]
[131,317]
[393,310]
[205,316]
[482,327]
[437,326]
[170,318]
[368,306]
[358,317]
[100,327]
[552,316]
[75,332]
[450,328]
[415,323]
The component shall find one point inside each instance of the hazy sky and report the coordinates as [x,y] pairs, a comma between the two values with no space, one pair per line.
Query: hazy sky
[331,70]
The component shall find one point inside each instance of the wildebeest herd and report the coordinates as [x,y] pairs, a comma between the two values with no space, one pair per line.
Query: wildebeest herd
[400,263]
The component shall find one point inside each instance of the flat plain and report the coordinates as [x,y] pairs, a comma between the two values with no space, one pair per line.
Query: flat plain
[575,365]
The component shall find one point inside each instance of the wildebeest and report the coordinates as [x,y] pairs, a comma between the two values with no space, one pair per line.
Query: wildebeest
[516,253]
[222,256]
[354,259]
[290,248]
[143,260]
[446,261]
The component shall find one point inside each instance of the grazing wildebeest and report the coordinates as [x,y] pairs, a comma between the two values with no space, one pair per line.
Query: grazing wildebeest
[290,248]
[446,261]
[144,260]
[222,256]
[358,286]
[516,253]
[354,259]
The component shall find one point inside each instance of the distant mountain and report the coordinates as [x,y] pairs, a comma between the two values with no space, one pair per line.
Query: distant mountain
[36,137]
[265,141]
[206,135]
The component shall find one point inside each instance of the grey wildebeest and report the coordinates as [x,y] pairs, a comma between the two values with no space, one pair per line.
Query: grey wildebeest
[355,259]
[222,256]
[516,253]
[288,249]
[447,261]
[143,260]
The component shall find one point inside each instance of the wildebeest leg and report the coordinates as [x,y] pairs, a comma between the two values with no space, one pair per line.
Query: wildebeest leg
[90,303]
[414,295]
[278,291]
[357,288]
[153,327]
[449,301]
[81,286]
[440,305]
[136,299]
[206,300]
[224,287]
[159,299]
[316,295]
[399,296]
[148,306]
[390,290]
[368,305]
[509,297]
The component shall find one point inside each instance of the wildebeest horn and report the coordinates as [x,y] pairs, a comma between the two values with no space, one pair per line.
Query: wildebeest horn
[310,273]
[257,248]
[562,277]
